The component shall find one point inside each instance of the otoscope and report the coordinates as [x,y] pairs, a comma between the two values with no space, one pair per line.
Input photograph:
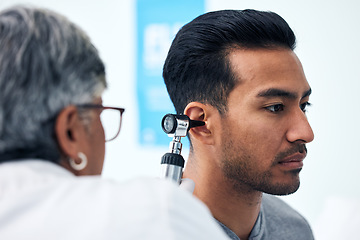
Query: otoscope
[176,126]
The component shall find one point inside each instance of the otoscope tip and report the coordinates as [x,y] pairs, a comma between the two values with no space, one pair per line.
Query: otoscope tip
[196,123]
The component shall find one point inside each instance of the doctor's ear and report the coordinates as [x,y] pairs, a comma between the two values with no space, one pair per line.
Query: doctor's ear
[68,131]
[201,112]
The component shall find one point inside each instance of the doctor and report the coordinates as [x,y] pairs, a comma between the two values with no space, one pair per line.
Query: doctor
[52,138]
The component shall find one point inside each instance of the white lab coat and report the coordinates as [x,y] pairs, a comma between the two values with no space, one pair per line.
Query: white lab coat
[41,200]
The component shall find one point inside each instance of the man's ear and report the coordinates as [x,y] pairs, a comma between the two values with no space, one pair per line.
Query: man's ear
[67,131]
[201,112]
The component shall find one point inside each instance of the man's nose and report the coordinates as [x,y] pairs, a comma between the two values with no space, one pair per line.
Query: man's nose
[299,128]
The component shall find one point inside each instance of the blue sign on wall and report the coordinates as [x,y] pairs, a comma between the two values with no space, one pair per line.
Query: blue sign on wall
[157,24]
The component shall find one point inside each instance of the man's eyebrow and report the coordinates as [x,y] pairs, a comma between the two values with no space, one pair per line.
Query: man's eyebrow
[307,93]
[275,92]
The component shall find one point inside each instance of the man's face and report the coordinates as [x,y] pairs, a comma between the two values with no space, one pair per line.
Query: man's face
[265,128]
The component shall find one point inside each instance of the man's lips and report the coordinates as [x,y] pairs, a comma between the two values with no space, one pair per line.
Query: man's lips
[294,161]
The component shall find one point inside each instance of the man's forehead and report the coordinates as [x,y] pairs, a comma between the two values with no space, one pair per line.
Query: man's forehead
[269,72]
[245,63]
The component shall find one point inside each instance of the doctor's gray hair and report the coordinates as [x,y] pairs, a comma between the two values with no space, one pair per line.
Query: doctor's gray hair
[46,64]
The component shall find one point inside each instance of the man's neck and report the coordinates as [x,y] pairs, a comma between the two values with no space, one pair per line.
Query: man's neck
[237,208]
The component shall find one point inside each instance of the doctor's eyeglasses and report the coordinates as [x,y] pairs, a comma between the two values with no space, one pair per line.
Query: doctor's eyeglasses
[111,118]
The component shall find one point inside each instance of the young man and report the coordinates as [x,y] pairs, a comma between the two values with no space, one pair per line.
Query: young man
[237,72]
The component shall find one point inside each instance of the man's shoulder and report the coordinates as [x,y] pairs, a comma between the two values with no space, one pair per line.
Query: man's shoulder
[282,218]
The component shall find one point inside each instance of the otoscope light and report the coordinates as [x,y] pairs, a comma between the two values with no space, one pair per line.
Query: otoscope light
[169,124]
[179,125]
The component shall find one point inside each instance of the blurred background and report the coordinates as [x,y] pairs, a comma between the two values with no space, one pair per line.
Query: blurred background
[133,37]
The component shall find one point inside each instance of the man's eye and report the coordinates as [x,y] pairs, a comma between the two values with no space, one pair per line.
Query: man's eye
[275,108]
[304,106]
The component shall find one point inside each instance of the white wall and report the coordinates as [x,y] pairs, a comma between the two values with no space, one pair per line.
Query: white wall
[328,36]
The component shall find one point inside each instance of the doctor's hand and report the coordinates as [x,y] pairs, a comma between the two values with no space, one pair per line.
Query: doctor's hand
[187,184]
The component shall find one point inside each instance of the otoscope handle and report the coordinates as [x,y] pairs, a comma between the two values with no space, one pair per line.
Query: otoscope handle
[171,166]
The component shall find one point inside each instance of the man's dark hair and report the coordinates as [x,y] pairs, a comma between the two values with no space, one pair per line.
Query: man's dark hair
[197,67]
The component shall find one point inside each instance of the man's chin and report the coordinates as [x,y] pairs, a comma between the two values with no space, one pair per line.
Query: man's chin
[282,189]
